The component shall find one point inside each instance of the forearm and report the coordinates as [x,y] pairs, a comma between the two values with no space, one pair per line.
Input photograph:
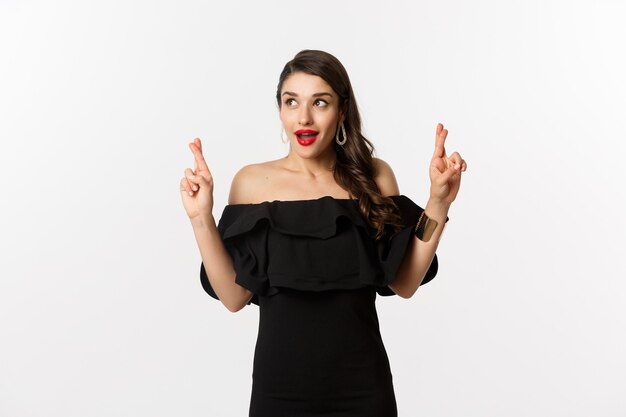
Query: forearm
[420,254]
[219,265]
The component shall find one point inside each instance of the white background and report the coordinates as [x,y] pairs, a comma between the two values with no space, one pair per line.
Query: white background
[101,308]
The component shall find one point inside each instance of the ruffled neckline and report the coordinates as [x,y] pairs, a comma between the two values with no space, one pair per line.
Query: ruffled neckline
[316,217]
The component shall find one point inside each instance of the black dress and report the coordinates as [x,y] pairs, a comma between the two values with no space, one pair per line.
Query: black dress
[315,269]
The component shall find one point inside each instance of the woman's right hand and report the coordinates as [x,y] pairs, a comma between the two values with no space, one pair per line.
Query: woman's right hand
[196,187]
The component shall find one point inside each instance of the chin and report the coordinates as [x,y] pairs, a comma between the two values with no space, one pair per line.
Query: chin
[311,150]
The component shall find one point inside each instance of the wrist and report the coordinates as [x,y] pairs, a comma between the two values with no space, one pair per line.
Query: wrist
[203,222]
[437,209]
[432,220]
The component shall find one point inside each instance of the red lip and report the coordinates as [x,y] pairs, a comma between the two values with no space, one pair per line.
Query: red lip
[306,141]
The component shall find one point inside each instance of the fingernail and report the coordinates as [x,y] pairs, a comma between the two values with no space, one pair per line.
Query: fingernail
[194,188]
[190,193]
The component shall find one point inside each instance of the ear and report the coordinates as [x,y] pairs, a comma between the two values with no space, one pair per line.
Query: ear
[342,112]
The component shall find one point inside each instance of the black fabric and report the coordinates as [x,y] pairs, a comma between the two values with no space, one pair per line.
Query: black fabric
[315,269]
[316,245]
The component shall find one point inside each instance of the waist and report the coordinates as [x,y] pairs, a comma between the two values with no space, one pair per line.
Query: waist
[319,323]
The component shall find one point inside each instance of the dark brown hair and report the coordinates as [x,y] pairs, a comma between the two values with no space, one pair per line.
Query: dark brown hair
[354,169]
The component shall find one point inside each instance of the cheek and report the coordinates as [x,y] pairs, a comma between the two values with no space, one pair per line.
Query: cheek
[330,122]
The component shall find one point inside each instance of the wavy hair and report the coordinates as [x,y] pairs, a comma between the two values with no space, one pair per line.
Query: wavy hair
[354,168]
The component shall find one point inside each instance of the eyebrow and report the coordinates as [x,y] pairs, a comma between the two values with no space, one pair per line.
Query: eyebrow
[314,95]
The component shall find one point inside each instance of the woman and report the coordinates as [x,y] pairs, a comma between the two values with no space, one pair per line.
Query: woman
[311,238]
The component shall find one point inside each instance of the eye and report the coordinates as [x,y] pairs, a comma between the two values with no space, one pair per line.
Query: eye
[323,103]
[289,100]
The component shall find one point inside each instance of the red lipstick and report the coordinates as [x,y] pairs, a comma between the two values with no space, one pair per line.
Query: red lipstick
[306,136]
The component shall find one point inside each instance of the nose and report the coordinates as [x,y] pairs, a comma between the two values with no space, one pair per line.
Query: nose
[305,115]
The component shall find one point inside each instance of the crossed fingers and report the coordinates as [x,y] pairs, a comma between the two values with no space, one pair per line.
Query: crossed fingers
[199,162]
[190,182]
[453,160]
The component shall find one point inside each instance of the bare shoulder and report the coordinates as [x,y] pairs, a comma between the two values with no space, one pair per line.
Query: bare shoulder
[249,181]
[385,178]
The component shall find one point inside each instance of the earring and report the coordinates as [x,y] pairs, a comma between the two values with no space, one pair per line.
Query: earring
[283,136]
[345,137]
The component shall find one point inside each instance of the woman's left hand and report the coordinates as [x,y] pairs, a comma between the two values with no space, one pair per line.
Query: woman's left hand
[445,172]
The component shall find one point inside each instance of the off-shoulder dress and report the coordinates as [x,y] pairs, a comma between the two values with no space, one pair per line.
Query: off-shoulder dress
[315,269]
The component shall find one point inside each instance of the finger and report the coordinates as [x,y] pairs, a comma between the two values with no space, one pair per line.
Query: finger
[456,160]
[199,158]
[195,163]
[459,163]
[440,139]
[446,175]
[439,164]
[192,179]
[185,187]
[437,133]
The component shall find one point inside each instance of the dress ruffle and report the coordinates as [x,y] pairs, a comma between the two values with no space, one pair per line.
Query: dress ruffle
[312,245]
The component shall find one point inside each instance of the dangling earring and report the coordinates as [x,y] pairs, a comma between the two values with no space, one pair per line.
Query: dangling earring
[345,137]
[283,136]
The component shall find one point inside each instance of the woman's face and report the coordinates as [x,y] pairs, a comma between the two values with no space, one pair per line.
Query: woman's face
[310,114]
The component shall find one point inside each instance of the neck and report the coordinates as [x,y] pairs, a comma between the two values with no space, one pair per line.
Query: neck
[312,167]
